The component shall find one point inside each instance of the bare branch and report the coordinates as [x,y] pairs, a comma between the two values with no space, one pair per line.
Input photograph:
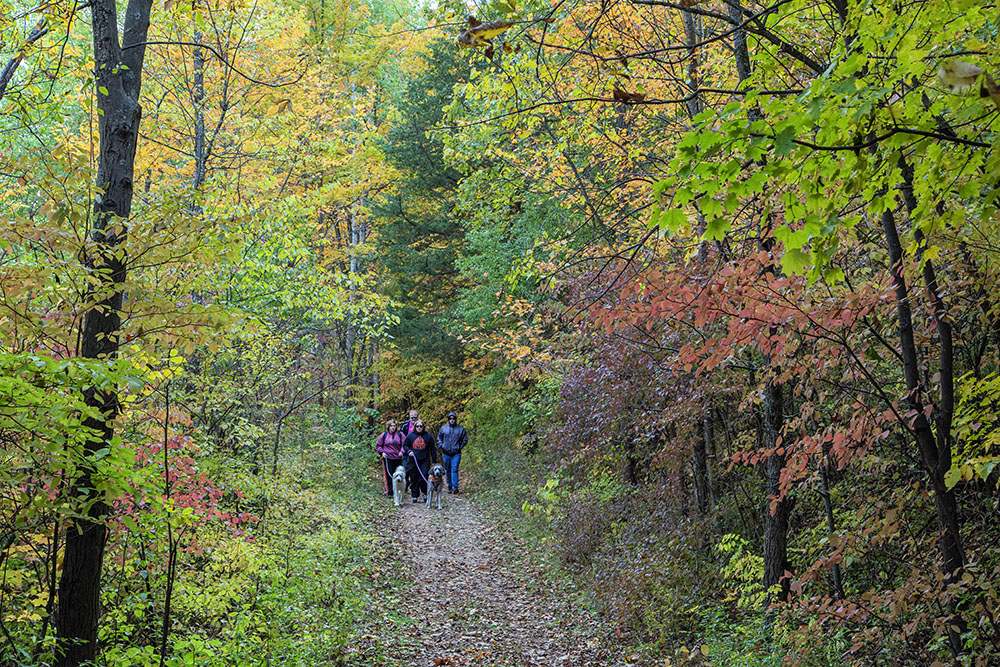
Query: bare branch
[40,30]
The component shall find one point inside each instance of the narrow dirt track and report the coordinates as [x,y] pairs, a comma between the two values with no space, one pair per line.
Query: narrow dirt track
[476,605]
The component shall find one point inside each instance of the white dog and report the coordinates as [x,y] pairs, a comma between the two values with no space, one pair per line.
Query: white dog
[436,481]
[398,485]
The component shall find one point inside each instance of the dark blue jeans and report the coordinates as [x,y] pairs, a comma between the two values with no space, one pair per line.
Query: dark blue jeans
[451,468]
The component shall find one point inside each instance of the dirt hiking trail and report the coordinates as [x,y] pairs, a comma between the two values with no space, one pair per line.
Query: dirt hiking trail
[478,603]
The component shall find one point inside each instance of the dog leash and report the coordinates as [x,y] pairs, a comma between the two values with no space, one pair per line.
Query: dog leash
[385,464]
[417,464]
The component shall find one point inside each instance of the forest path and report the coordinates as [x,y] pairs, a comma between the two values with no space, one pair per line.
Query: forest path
[480,601]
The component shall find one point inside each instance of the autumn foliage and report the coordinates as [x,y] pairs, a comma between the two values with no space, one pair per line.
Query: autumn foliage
[712,285]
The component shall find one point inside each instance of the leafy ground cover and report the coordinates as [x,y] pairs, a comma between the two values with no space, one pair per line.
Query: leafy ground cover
[482,596]
[295,589]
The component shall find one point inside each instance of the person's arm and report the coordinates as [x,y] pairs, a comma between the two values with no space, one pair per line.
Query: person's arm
[433,447]
[463,439]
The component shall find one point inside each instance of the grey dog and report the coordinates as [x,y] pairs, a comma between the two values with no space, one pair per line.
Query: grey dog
[436,480]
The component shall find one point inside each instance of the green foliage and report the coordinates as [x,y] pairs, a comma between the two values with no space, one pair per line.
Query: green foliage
[292,588]
[841,138]
[750,643]
[43,414]
[543,505]
[744,571]
[977,428]
[432,386]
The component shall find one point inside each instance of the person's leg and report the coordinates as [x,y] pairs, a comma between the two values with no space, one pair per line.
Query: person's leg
[453,471]
[413,479]
[388,476]
[446,460]
[425,468]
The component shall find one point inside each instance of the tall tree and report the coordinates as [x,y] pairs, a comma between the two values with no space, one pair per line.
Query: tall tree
[118,61]
[421,234]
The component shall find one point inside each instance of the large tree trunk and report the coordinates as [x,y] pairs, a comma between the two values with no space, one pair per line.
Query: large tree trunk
[118,74]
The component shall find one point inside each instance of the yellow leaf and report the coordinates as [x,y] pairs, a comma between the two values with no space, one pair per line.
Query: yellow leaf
[479,34]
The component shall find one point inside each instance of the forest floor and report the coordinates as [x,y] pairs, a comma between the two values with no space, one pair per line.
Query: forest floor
[477,597]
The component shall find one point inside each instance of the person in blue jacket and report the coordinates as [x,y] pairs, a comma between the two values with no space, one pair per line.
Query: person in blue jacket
[451,439]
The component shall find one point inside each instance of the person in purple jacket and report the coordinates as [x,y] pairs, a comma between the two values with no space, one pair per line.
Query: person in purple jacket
[389,447]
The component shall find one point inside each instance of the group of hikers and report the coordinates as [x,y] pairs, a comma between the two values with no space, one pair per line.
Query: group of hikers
[413,447]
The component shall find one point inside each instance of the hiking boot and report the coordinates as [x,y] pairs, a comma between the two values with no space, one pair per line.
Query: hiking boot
[416,500]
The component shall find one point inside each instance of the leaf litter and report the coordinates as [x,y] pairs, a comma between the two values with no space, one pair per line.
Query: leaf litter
[475,598]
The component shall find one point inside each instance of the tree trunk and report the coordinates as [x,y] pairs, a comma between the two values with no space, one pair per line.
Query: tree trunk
[935,452]
[831,525]
[699,464]
[775,510]
[706,423]
[118,74]
[693,32]
[200,143]
[741,54]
